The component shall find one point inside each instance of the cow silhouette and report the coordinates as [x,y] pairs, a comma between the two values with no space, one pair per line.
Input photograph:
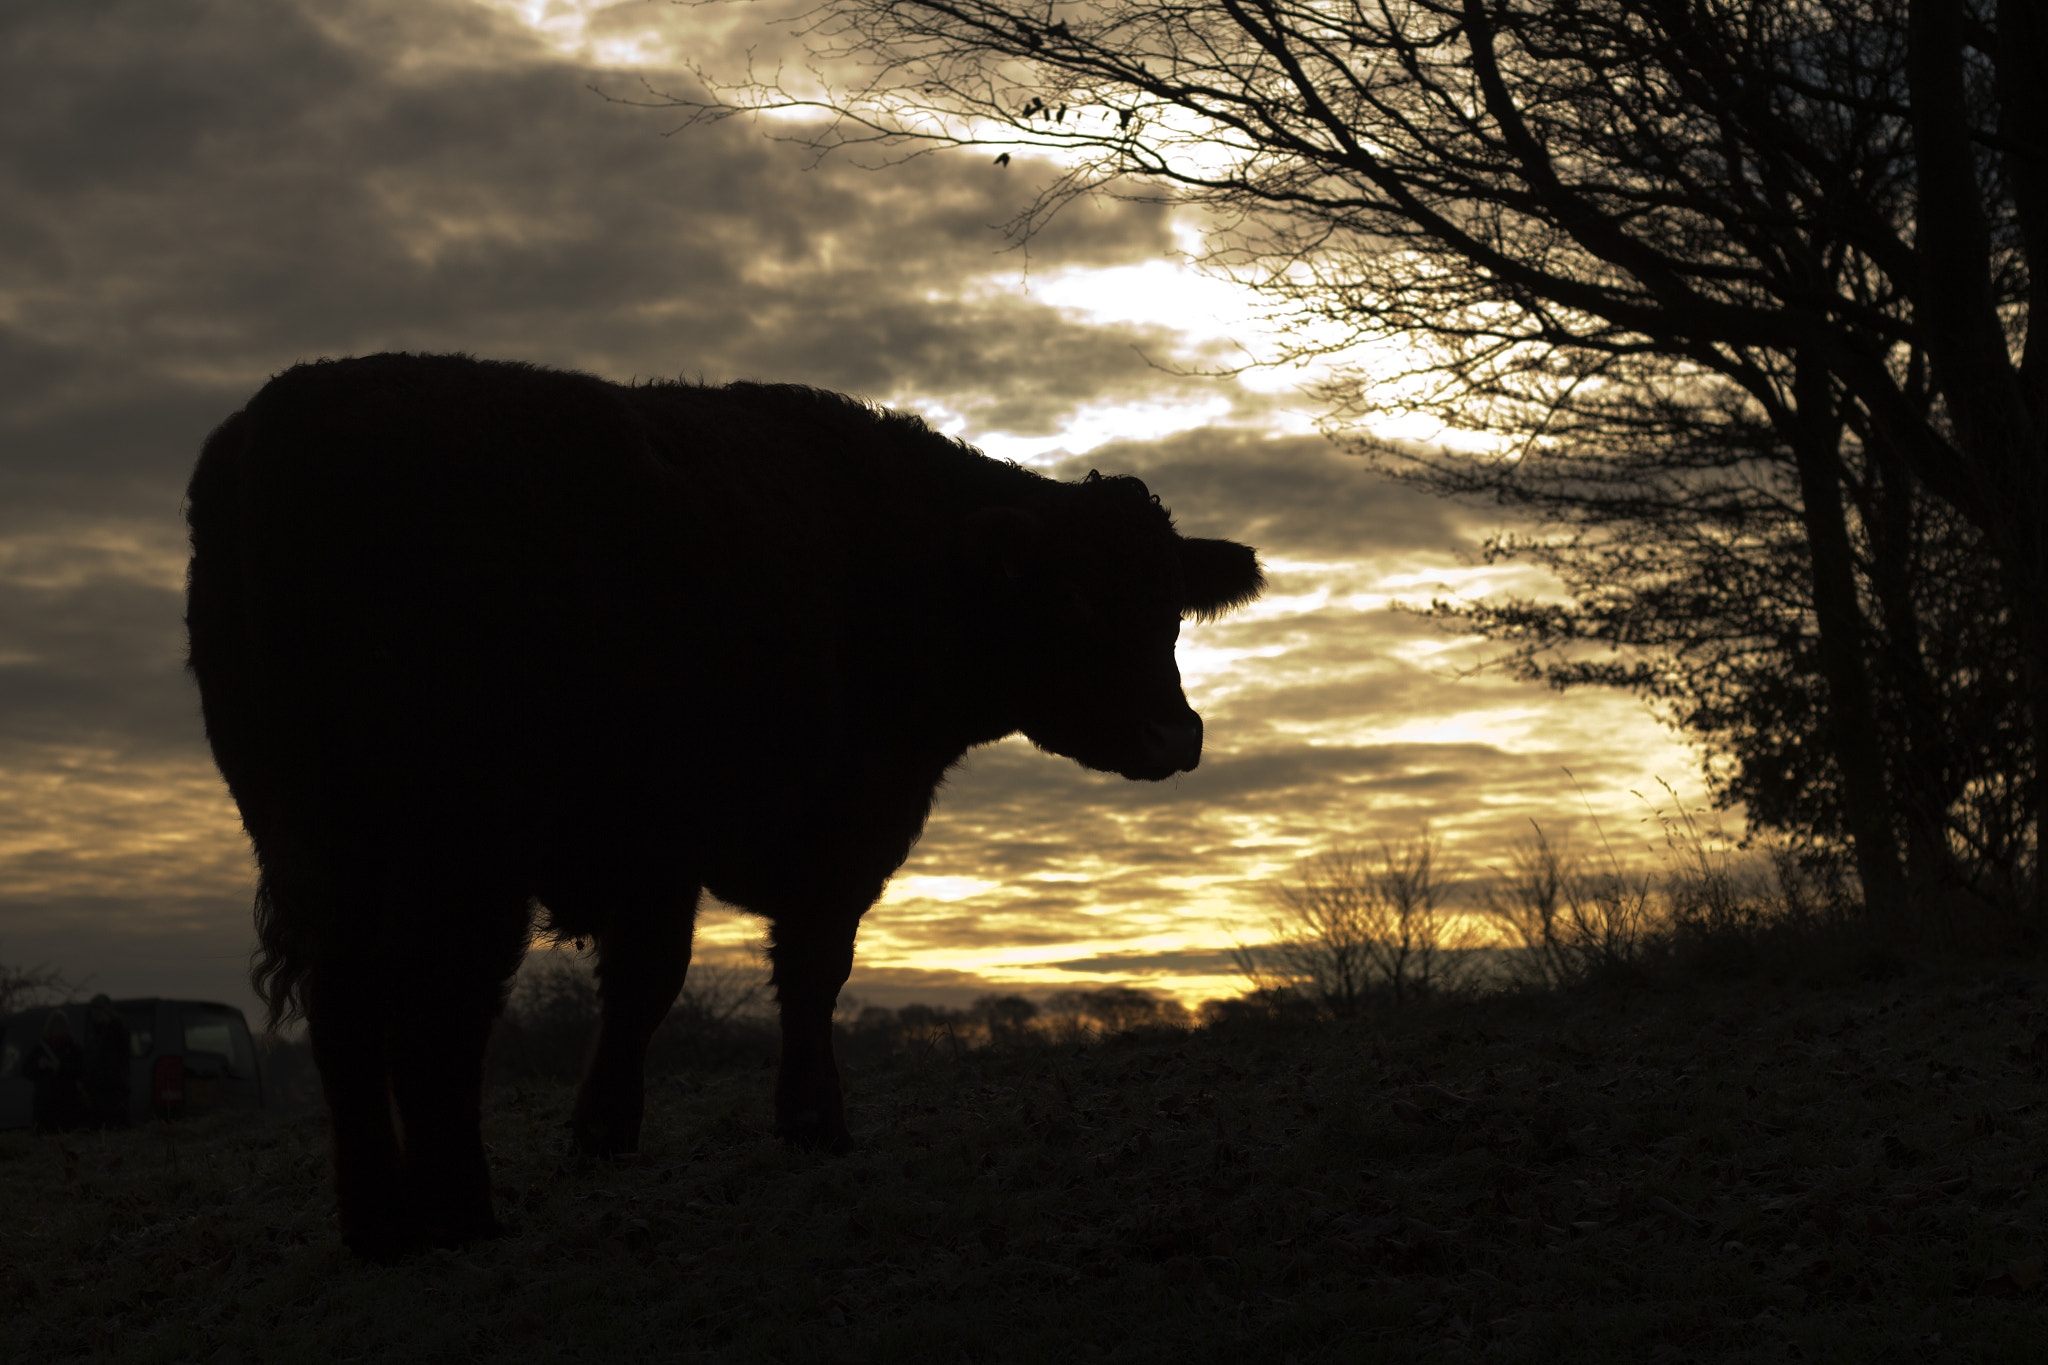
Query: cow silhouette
[475,639]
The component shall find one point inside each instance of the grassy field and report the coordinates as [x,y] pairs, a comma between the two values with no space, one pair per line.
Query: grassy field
[1728,1173]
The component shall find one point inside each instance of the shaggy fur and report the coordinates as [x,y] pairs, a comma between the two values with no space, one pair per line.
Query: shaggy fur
[473,636]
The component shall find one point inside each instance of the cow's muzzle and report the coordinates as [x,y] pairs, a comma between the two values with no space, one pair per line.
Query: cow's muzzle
[1174,744]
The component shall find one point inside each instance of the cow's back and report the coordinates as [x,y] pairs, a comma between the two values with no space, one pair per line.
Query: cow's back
[534,603]
[430,579]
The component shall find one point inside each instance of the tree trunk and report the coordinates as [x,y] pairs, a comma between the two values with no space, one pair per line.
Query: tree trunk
[2030,587]
[1852,720]
[1925,785]
[1999,410]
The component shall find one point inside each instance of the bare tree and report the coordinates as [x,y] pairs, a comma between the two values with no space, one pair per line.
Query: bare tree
[23,987]
[1833,208]
[1317,949]
[1355,923]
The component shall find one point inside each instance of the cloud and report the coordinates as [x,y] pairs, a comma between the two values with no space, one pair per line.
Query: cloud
[195,194]
[200,194]
[1292,496]
[1197,962]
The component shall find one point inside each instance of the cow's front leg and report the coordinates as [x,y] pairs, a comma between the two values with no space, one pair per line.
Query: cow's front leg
[812,958]
[642,959]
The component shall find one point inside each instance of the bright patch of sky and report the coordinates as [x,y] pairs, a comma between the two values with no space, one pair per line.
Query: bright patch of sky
[1171,293]
[1088,427]
[942,888]
[600,32]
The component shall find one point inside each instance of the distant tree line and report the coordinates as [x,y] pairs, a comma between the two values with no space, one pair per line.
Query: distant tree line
[723,1017]
[1068,1015]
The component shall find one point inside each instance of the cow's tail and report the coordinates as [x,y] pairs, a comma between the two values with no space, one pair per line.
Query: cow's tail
[277,969]
[226,662]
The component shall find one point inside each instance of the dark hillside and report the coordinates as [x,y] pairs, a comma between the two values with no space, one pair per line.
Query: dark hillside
[1847,1174]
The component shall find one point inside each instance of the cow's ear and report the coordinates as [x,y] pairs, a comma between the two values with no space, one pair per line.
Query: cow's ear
[1218,575]
[1001,542]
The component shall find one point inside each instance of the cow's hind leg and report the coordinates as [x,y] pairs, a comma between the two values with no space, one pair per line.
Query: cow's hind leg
[812,958]
[643,955]
[345,1020]
[459,956]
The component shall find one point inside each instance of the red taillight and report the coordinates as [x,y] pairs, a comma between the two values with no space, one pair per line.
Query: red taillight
[168,1089]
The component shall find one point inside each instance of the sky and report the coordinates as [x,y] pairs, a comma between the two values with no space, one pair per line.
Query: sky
[196,194]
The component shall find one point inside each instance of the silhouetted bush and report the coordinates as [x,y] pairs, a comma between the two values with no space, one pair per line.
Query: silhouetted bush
[1261,1004]
[1003,1016]
[1112,1009]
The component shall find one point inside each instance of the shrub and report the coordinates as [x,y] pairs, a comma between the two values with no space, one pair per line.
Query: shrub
[1355,926]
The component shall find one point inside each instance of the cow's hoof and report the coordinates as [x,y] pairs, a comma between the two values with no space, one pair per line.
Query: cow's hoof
[594,1137]
[382,1245]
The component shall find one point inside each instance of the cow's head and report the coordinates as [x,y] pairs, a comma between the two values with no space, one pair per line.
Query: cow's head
[1096,583]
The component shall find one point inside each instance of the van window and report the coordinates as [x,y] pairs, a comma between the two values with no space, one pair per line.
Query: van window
[223,1035]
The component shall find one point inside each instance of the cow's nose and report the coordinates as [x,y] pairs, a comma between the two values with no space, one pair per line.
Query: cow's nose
[1178,742]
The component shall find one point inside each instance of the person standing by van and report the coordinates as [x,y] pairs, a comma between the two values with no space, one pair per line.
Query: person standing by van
[106,1065]
[56,1066]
